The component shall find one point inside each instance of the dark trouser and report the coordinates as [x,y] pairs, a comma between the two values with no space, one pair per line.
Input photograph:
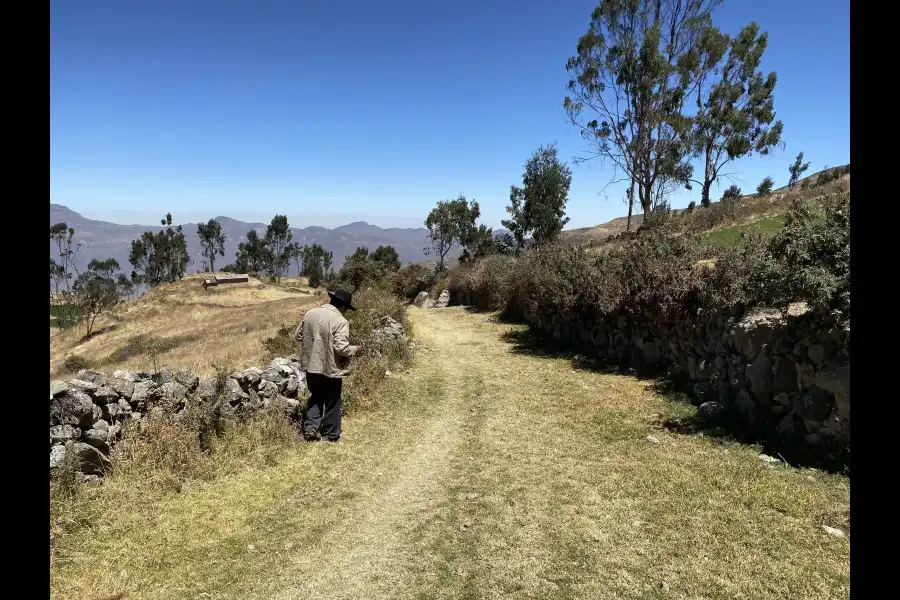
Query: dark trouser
[324,407]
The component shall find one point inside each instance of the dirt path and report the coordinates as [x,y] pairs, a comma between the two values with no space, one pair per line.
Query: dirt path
[490,472]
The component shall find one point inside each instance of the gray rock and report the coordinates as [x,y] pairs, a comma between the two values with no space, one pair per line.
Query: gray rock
[84,386]
[90,460]
[57,455]
[421,298]
[58,388]
[294,358]
[188,380]
[756,329]
[251,376]
[233,392]
[743,407]
[254,402]
[164,375]
[768,459]
[703,392]
[272,374]
[105,395]
[267,389]
[652,439]
[132,376]
[206,389]
[711,413]
[833,531]
[785,379]
[292,387]
[96,438]
[814,407]
[71,408]
[89,479]
[61,434]
[786,429]
[759,374]
[98,379]
[123,387]
[172,392]
[114,431]
[443,300]
[143,391]
[101,425]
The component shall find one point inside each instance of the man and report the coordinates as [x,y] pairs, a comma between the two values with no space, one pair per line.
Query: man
[325,351]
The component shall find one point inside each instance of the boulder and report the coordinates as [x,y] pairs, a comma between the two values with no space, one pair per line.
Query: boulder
[105,395]
[267,389]
[132,376]
[90,460]
[273,375]
[711,413]
[143,390]
[233,392]
[814,407]
[251,376]
[756,329]
[94,377]
[443,300]
[188,380]
[57,455]
[97,438]
[293,387]
[84,386]
[123,387]
[703,392]
[421,298]
[172,392]
[73,408]
[60,434]
[759,373]
[58,388]
[206,389]
[164,375]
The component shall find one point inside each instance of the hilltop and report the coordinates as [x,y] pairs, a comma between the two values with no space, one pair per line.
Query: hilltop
[756,208]
[102,239]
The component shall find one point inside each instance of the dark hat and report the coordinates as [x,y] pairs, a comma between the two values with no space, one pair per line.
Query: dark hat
[342,298]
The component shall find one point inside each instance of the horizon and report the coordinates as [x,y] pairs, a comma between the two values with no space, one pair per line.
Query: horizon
[245,116]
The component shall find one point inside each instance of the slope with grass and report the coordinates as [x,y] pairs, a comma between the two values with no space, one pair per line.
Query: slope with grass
[185,327]
[489,469]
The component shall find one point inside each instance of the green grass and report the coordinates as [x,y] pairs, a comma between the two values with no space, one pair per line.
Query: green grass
[731,236]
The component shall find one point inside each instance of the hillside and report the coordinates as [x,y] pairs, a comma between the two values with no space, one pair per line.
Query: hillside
[767,207]
[186,327]
[101,239]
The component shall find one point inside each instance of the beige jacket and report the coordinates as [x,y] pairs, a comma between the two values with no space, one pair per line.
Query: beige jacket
[324,340]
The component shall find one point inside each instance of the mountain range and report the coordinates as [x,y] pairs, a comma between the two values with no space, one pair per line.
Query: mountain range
[102,240]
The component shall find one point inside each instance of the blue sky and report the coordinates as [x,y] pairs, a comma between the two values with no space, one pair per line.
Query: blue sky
[332,112]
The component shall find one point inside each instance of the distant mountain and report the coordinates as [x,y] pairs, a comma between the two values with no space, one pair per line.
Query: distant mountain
[101,239]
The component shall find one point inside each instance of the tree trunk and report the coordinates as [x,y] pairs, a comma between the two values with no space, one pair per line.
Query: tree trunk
[709,176]
[630,205]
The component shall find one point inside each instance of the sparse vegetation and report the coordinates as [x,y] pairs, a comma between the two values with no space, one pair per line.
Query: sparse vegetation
[765,187]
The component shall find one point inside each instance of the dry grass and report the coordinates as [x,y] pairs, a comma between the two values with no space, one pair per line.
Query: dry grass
[485,472]
[188,327]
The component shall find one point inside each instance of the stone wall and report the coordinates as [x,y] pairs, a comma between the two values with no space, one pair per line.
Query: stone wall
[780,376]
[87,413]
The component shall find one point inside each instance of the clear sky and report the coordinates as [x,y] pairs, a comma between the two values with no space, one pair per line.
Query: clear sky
[332,112]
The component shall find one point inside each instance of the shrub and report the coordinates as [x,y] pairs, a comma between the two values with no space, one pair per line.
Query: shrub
[410,280]
[732,192]
[486,285]
[691,206]
[75,363]
[282,343]
[765,187]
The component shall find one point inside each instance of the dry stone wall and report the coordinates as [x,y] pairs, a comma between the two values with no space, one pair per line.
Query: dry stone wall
[777,375]
[87,414]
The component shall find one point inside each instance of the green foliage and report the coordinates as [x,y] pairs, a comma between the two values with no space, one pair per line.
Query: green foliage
[62,274]
[410,280]
[796,169]
[212,240]
[809,260]
[359,269]
[538,208]
[477,244]
[276,253]
[316,264]
[75,363]
[281,344]
[505,243]
[386,256]
[691,206]
[630,78]
[160,257]
[765,187]
[251,255]
[485,285]
[736,116]
[733,192]
[449,223]
[97,290]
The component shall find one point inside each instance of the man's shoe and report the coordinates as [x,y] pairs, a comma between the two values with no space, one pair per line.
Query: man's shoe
[331,440]
[311,437]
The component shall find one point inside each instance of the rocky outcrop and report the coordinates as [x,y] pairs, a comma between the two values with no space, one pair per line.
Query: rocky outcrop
[783,375]
[421,299]
[443,300]
[88,412]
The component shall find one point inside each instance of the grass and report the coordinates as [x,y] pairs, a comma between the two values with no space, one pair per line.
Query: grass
[485,471]
[190,328]
[731,236]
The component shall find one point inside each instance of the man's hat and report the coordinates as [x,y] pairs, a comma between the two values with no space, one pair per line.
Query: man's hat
[343,297]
